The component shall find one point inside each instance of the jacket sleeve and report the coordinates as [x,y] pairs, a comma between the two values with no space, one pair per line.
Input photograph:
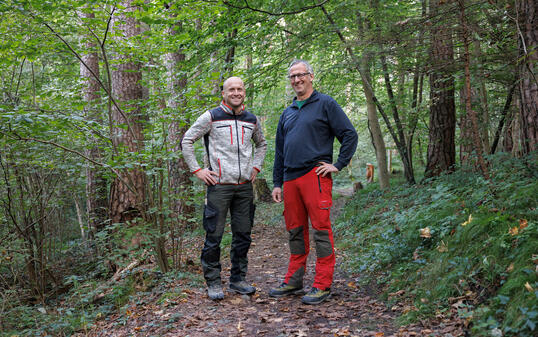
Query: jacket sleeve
[344,131]
[260,146]
[278,165]
[195,132]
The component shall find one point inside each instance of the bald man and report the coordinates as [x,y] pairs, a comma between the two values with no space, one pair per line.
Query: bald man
[231,165]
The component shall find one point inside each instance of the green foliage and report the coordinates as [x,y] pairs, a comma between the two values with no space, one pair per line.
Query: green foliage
[472,252]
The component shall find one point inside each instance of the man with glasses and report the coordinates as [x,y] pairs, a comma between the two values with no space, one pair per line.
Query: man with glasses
[302,178]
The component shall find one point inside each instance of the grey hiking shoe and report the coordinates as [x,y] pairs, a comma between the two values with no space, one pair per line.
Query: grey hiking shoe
[285,289]
[316,296]
[242,287]
[215,292]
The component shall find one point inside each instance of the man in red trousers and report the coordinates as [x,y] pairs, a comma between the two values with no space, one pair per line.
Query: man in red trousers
[302,178]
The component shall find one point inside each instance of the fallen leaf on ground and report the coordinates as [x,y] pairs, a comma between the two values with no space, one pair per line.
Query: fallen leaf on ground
[425,233]
[529,287]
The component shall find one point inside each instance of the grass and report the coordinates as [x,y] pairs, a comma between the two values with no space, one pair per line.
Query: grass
[484,261]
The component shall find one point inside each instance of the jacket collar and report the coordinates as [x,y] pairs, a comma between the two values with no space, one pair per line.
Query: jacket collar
[314,97]
[229,109]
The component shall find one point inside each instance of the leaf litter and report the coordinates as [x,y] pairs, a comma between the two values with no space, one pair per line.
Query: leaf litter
[350,311]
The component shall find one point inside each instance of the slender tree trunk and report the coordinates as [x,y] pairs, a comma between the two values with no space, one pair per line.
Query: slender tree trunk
[96,187]
[484,106]
[466,129]
[375,128]
[230,54]
[127,196]
[441,155]
[178,171]
[505,118]
[527,13]
[477,141]
[400,141]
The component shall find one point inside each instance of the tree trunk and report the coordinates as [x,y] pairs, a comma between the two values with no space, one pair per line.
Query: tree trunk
[261,190]
[230,54]
[466,134]
[441,147]
[528,85]
[400,141]
[505,118]
[128,191]
[477,141]
[179,175]
[375,128]
[484,106]
[96,186]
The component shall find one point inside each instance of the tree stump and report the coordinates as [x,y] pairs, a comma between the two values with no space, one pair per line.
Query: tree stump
[261,190]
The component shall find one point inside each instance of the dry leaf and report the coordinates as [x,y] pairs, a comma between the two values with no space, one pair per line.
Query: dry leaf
[239,327]
[529,287]
[379,334]
[425,233]
[522,223]
[513,231]
[415,254]
[236,300]
[468,220]
[442,247]
[510,268]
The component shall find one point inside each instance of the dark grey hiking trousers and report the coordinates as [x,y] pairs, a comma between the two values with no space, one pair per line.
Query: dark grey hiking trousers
[239,199]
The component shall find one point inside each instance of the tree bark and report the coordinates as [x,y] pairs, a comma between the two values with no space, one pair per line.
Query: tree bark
[96,185]
[484,106]
[505,118]
[127,196]
[375,129]
[477,141]
[400,141]
[528,85]
[441,155]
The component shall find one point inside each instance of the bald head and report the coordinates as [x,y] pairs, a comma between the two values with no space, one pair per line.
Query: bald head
[233,93]
[234,80]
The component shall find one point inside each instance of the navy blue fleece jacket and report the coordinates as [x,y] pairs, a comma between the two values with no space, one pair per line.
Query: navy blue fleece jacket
[305,136]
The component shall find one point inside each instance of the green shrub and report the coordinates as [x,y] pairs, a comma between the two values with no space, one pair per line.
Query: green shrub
[478,244]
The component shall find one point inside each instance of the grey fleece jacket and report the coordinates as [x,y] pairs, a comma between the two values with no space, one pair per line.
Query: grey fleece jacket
[227,140]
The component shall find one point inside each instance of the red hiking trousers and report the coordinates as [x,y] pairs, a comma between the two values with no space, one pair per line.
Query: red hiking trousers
[309,196]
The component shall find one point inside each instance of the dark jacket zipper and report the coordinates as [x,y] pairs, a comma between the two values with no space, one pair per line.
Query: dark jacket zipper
[238,148]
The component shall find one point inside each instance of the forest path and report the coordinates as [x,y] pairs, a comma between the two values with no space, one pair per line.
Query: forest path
[350,311]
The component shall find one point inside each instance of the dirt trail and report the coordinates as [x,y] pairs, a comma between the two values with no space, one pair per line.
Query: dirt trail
[349,312]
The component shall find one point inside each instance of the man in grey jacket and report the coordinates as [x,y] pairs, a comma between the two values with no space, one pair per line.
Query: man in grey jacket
[230,168]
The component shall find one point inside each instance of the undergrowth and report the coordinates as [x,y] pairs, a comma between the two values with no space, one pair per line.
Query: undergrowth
[456,241]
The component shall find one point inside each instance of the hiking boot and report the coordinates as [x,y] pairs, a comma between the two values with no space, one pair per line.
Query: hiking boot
[242,287]
[215,292]
[285,289]
[316,296]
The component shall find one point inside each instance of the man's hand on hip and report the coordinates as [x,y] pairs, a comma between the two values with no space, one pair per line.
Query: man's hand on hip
[207,176]
[325,168]
[277,194]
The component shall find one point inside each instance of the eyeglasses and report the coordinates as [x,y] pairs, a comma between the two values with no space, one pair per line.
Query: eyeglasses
[298,76]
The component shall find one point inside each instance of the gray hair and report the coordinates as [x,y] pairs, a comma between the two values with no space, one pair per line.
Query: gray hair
[306,64]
